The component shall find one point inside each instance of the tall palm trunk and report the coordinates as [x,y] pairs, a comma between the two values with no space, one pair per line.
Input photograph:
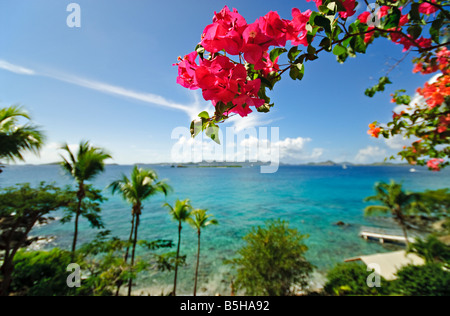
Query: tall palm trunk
[176,262]
[80,195]
[402,225]
[127,252]
[198,263]
[133,253]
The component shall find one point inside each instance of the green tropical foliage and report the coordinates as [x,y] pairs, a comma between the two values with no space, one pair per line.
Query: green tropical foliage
[351,279]
[16,139]
[431,249]
[142,185]
[393,201]
[21,208]
[272,262]
[85,165]
[41,273]
[431,279]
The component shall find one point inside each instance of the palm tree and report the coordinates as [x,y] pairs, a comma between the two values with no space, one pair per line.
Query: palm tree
[16,139]
[198,221]
[142,185]
[85,166]
[179,213]
[393,201]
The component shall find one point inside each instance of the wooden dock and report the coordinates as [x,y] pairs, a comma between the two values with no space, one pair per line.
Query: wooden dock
[385,235]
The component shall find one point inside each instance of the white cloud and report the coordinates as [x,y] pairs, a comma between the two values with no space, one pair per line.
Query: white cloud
[191,110]
[50,153]
[397,142]
[370,154]
[288,150]
[255,119]
[16,69]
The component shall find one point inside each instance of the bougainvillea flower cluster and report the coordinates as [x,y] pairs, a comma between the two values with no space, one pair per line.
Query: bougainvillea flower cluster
[223,80]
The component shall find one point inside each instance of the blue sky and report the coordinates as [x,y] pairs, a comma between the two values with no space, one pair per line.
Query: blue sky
[112,82]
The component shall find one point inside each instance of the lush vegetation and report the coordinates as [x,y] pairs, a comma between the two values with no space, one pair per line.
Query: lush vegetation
[272,261]
[234,66]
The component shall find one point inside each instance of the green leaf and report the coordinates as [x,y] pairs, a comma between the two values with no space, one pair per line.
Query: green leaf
[414,14]
[393,19]
[339,50]
[311,50]
[435,30]
[378,87]
[415,31]
[196,127]
[326,43]
[204,115]
[323,22]
[220,109]
[212,131]
[297,71]
[358,45]
[293,53]
[276,52]
[312,18]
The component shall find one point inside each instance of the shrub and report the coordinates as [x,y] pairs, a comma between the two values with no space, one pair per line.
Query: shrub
[351,279]
[272,261]
[427,280]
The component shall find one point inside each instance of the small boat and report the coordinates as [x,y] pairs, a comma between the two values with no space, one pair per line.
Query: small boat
[344,167]
[412,170]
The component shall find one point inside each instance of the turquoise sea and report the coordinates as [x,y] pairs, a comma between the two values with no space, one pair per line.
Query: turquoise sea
[311,198]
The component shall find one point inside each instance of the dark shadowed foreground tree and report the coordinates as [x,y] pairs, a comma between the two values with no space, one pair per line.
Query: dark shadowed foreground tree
[21,208]
[272,261]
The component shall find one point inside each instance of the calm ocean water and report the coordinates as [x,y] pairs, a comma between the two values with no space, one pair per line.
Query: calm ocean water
[311,198]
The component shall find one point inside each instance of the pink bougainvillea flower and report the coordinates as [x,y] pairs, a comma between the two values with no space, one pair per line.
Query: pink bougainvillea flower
[368,37]
[349,6]
[247,97]
[214,78]
[267,65]
[384,10]
[401,39]
[363,17]
[225,33]
[186,71]
[230,19]
[435,164]
[296,29]
[428,8]
[274,27]
[403,20]
[424,42]
[253,53]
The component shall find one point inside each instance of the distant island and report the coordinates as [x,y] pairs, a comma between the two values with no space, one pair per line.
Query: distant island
[221,164]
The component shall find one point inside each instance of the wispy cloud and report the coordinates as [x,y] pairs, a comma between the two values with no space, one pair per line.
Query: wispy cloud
[370,154]
[16,69]
[190,109]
